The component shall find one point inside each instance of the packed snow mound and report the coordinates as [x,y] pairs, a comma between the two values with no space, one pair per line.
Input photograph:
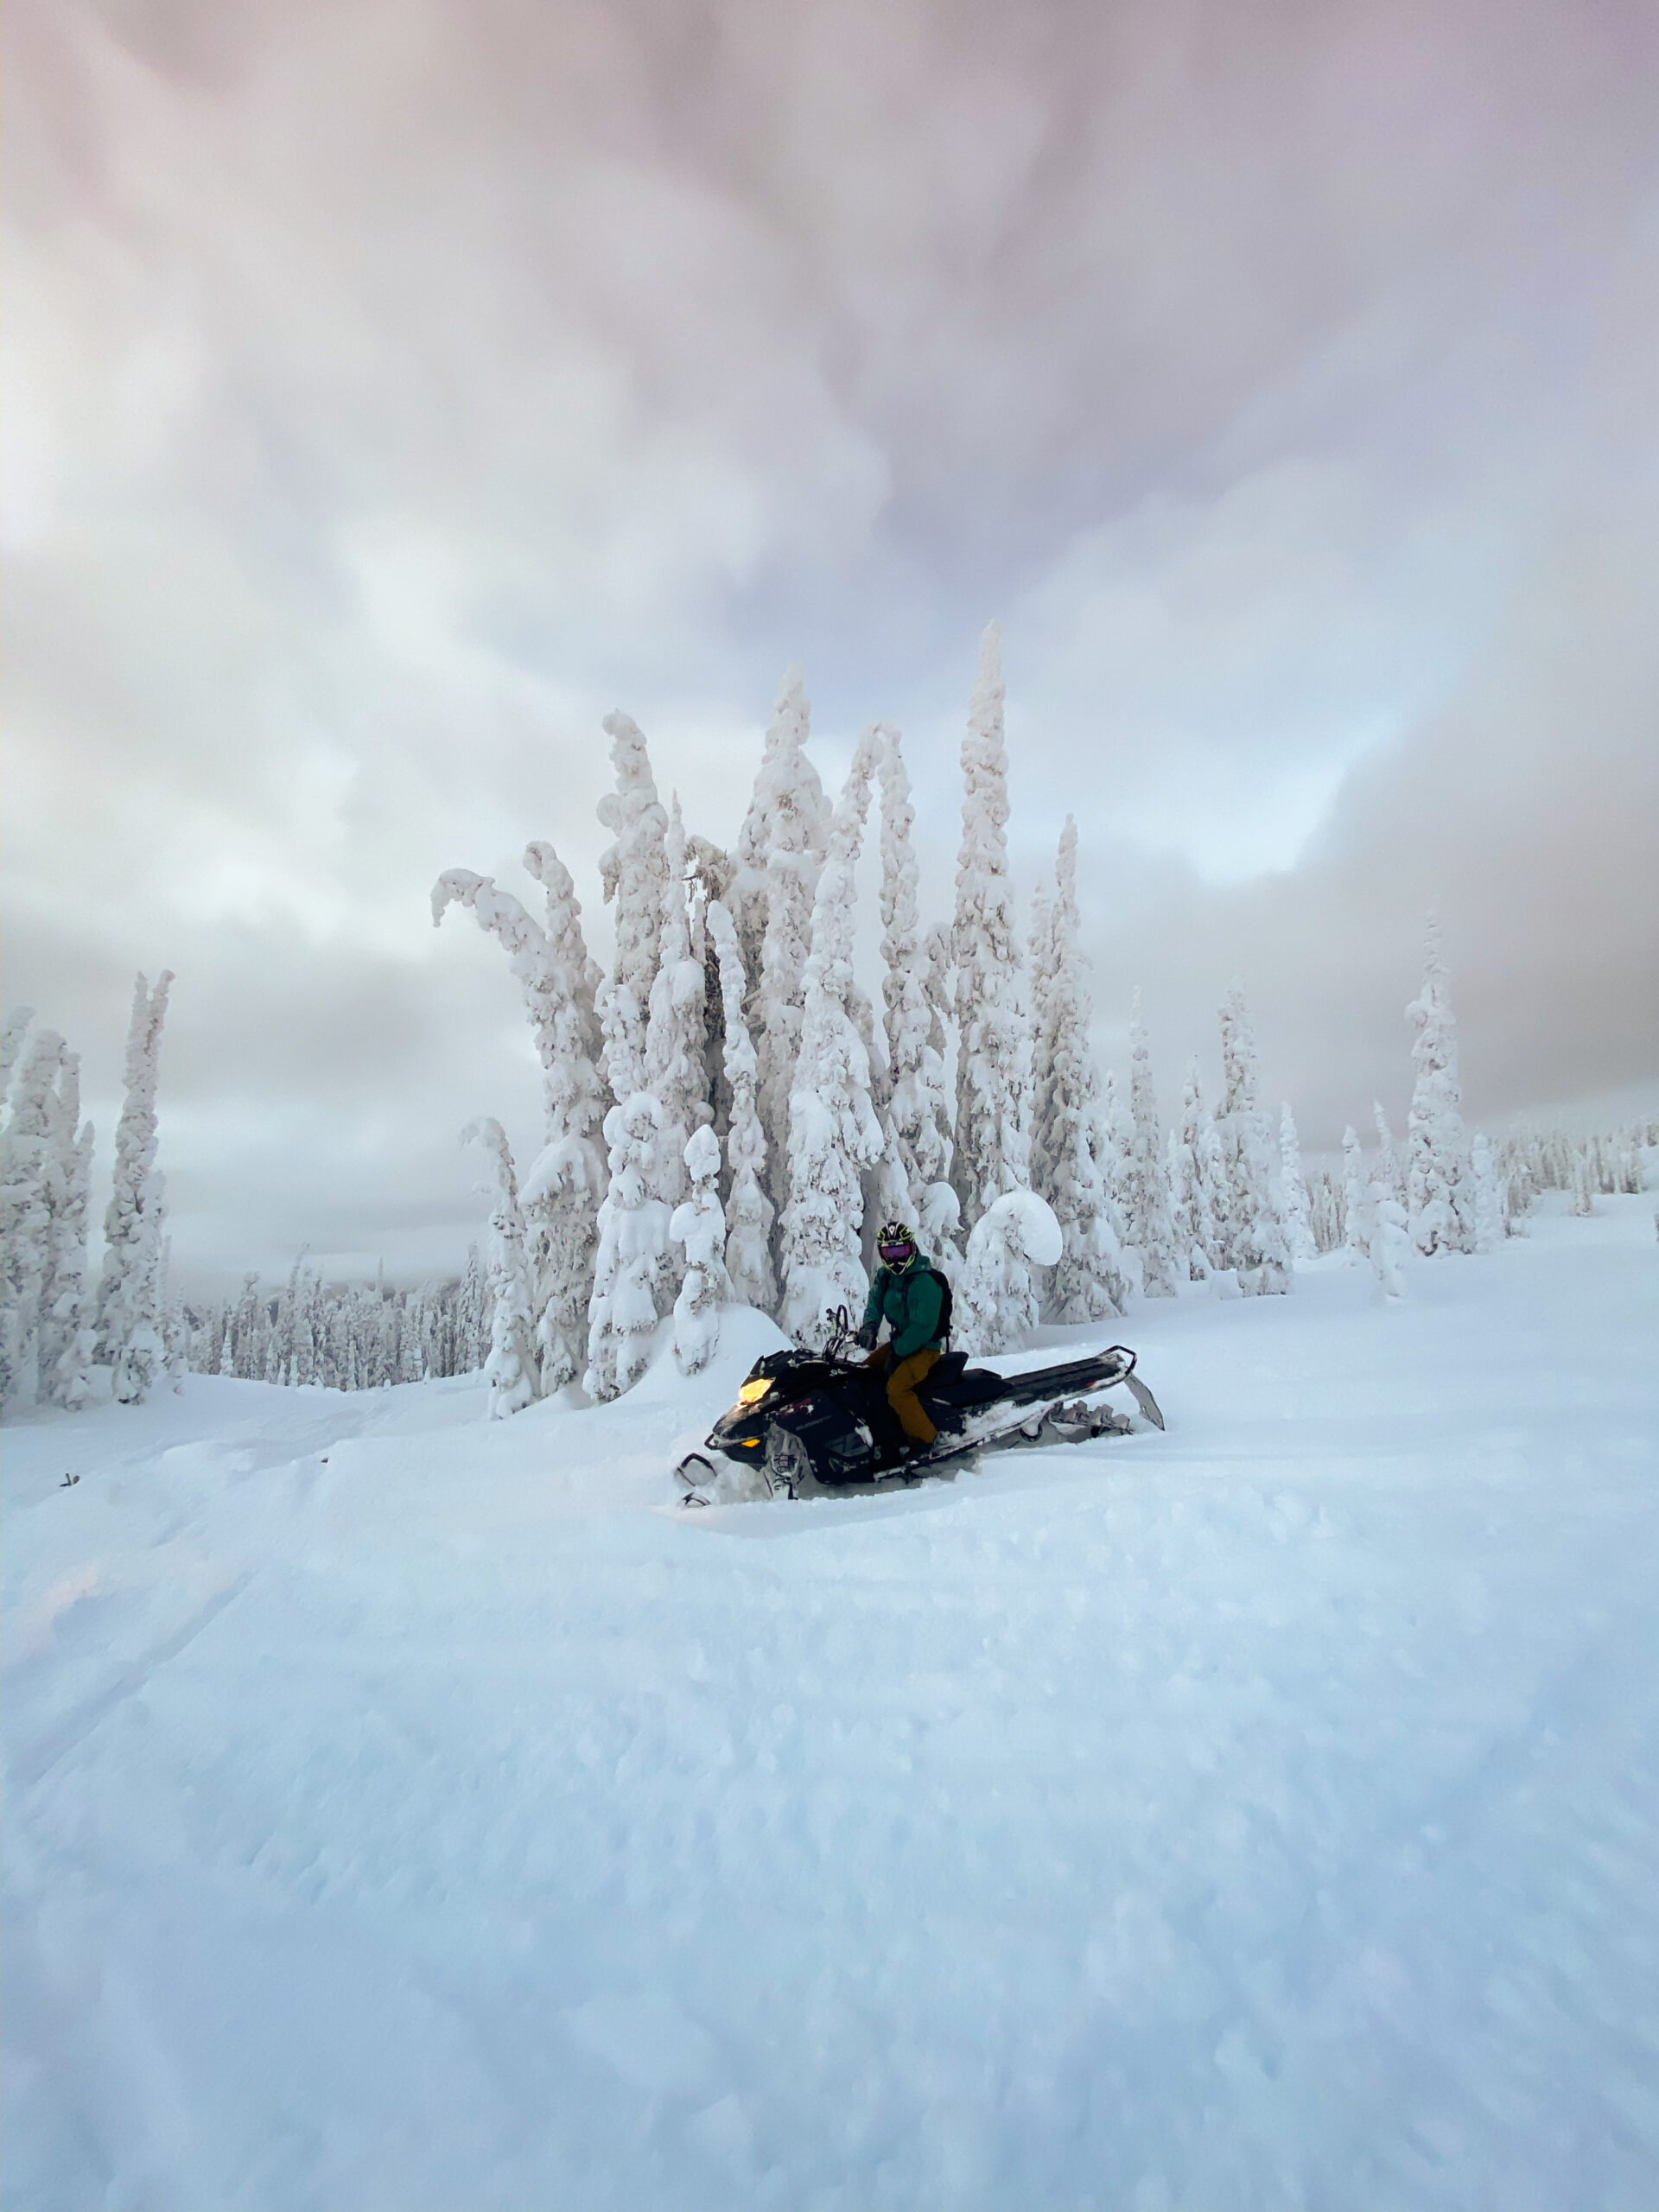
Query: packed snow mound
[413,1810]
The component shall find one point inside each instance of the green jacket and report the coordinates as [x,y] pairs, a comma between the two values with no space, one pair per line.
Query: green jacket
[912,1304]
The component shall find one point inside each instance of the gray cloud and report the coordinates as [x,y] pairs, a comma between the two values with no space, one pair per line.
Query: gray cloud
[391,389]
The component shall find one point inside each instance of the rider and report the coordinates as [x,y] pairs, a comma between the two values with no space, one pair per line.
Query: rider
[909,1296]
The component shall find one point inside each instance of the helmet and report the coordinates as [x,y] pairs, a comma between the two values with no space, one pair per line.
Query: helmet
[895,1241]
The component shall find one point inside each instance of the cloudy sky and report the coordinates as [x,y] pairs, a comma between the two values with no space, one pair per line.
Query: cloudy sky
[392,386]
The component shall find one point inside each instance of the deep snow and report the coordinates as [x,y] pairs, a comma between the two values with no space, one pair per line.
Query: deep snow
[404,1811]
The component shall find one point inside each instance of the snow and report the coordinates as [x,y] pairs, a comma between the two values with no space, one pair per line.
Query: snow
[409,1810]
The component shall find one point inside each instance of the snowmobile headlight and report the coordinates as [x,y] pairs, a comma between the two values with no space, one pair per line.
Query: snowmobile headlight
[753,1391]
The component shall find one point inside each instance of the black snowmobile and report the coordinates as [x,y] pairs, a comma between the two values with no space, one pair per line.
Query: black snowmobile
[806,1423]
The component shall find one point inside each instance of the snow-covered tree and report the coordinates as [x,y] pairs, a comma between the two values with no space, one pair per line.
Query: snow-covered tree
[1356,1230]
[140,1352]
[632,1244]
[993,1065]
[1489,1203]
[13,1030]
[675,1072]
[561,1193]
[1440,1183]
[798,831]
[1068,1170]
[1196,1176]
[634,871]
[996,1297]
[833,1134]
[748,1210]
[1298,1236]
[1390,1172]
[26,1217]
[1390,1241]
[511,1370]
[698,1223]
[917,1111]
[1151,1230]
[1253,1234]
[66,1332]
[130,1282]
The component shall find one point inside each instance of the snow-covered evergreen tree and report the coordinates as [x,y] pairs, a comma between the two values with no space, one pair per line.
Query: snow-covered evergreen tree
[13,1030]
[993,1066]
[66,1332]
[996,1296]
[130,1282]
[1068,1170]
[748,1210]
[634,871]
[561,1193]
[1195,1181]
[632,1243]
[1440,1200]
[676,1071]
[1390,1172]
[141,1351]
[26,1217]
[698,1223]
[1390,1240]
[1489,1204]
[833,1134]
[1356,1233]
[917,1111]
[1252,1231]
[1298,1235]
[511,1370]
[797,830]
[1151,1230]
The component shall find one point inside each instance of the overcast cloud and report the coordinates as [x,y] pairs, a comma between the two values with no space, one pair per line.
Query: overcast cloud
[392,386]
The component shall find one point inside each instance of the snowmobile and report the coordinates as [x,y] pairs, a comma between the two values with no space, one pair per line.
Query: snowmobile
[807,1423]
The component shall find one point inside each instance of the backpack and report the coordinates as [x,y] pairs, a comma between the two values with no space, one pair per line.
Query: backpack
[944,1282]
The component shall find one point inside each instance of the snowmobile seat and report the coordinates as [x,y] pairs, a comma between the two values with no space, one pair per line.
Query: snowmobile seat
[952,1382]
[947,1369]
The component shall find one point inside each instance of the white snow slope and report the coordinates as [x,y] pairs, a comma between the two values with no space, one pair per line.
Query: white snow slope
[404,1811]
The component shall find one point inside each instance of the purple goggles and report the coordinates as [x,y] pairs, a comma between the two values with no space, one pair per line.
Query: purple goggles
[896,1251]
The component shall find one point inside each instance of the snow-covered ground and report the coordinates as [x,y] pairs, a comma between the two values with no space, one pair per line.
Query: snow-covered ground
[404,1811]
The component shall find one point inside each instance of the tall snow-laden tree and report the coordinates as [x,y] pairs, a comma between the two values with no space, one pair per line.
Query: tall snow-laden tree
[783,768]
[798,833]
[142,1349]
[698,1223]
[748,1210]
[561,1193]
[995,1059]
[634,870]
[1440,1200]
[1252,1230]
[1151,1230]
[26,1217]
[675,1066]
[1390,1241]
[1390,1172]
[1298,1236]
[997,1297]
[833,1134]
[1068,1171]
[511,1370]
[130,1281]
[633,1243]
[13,1030]
[66,1333]
[1355,1200]
[918,1113]
[1489,1203]
[1196,1181]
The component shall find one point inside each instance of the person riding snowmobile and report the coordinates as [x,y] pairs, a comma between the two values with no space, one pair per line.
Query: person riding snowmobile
[909,1296]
